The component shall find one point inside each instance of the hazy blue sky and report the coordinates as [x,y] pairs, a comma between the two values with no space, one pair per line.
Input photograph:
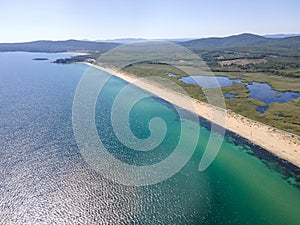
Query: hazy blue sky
[27,20]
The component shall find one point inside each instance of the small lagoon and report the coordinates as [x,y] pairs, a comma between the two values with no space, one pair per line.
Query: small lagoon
[210,82]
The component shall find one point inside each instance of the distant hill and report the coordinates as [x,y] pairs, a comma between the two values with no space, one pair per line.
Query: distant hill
[280,35]
[251,43]
[243,42]
[57,46]
[135,40]
[220,42]
[124,40]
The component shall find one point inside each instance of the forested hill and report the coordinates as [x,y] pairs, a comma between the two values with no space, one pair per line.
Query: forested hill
[57,46]
[248,43]
[221,42]
[243,42]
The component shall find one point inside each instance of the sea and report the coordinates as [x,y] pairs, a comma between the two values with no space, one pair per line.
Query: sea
[46,178]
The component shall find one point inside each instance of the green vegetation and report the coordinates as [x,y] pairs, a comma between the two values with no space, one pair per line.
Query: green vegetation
[145,69]
[238,89]
[285,116]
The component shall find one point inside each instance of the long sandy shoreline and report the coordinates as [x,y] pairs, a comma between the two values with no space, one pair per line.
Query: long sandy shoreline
[282,144]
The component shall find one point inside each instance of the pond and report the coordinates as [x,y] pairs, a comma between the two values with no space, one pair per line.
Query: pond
[170,74]
[210,82]
[230,95]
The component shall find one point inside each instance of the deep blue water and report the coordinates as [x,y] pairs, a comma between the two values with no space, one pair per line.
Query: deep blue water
[260,91]
[45,180]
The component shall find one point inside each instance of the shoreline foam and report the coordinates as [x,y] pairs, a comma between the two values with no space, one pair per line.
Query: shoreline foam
[281,143]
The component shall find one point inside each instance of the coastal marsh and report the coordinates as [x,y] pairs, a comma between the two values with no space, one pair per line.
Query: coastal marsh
[284,116]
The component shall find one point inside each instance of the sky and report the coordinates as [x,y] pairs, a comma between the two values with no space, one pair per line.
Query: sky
[29,20]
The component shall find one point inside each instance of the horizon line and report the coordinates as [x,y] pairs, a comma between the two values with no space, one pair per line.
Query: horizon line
[155,38]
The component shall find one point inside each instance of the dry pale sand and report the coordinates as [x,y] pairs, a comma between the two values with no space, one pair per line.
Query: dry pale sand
[283,144]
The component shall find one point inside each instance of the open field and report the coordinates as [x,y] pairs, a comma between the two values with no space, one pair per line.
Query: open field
[241,62]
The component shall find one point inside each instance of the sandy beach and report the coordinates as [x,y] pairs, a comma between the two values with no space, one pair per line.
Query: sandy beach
[282,144]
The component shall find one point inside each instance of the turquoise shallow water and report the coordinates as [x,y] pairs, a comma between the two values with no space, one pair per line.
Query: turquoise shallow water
[45,180]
